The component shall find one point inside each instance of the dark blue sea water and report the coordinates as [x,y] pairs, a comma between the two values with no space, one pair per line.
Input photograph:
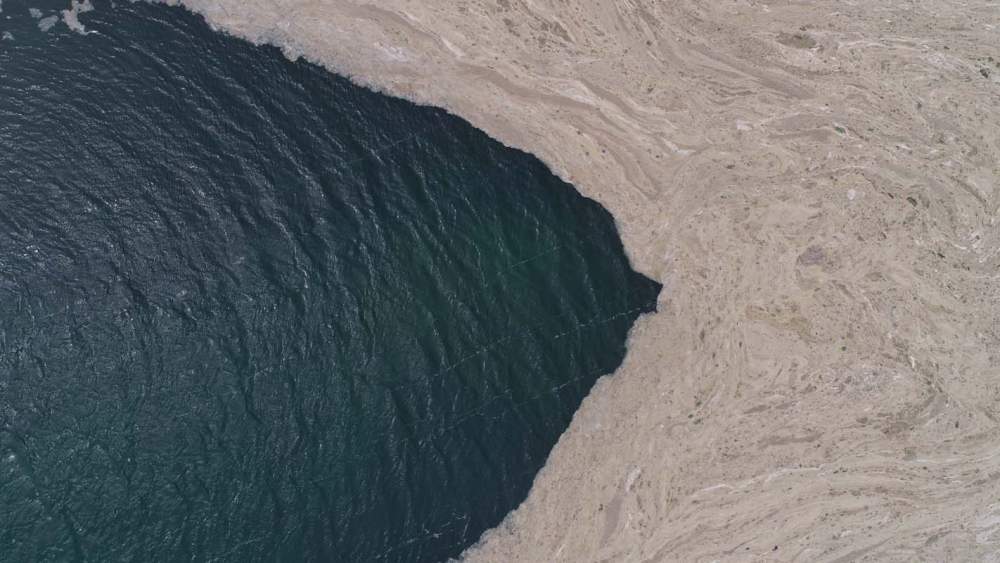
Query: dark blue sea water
[251,312]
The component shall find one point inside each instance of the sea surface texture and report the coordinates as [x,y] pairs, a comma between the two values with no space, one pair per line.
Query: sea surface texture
[252,312]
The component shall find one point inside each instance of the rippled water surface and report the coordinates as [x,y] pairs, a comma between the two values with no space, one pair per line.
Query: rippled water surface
[251,312]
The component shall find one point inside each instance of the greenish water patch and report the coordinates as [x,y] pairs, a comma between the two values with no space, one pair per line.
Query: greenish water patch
[251,312]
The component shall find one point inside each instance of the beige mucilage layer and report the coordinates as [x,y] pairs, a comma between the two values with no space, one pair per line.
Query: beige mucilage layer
[815,183]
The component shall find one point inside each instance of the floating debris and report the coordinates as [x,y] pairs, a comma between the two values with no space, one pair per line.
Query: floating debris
[70,16]
[46,24]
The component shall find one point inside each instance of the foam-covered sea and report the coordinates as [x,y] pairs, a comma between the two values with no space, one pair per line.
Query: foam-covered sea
[250,312]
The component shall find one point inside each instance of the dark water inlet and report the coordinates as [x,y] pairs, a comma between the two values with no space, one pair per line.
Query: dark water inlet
[251,312]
